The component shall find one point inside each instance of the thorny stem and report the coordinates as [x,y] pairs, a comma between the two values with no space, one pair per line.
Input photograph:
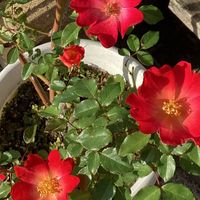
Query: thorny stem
[157,179]
[60,6]
[36,84]
[35,29]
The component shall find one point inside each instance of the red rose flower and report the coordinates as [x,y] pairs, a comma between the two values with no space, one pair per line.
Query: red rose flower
[44,179]
[2,177]
[72,55]
[106,17]
[168,103]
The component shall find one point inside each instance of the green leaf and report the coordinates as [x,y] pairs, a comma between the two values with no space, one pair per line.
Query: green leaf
[84,122]
[57,85]
[181,149]
[194,155]
[133,43]
[80,195]
[48,59]
[40,69]
[133,143]
[109,93]
[119,79]
[129,30]
[86,108]
[145,58]
[7,37]
[5,189]
[15,154]
[166,149]
[55,124]
[110,161]
[174,191]
[5,158]
[152,14]
[56,38]
[93,162]
[100,122]
[67,96]
[86,88]
[124,52]
[148,193]
[51,111]
[117,113]
[29,134]
[166,167]
[27,70]
[95,138]
[71,136]
[150,154]
[22,18]
[74,149]
[13,55]
[21,1]
[1,48]
[142,169]
[25,42]
[149,39]
[104,190]
[53,74]
[122,194]
[189,166]
[69,34]
[43,153]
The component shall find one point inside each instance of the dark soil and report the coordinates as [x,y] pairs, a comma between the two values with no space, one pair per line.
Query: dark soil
[18,115]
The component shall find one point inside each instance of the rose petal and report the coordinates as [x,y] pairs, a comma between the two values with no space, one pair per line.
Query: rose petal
[33,160]
[2,177]
[25,175]
[24,191]
[129,17]
[106,31]
[69,183]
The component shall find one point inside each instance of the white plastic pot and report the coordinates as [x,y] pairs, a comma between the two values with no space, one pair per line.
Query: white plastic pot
[107,59]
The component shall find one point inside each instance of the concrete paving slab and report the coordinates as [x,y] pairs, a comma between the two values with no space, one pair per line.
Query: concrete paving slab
[188,11]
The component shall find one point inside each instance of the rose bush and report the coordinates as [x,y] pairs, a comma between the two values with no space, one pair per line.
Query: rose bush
[78,140]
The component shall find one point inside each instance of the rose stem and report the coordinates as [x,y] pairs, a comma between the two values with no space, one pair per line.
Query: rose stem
[42,78]
[60,6]
[36,84]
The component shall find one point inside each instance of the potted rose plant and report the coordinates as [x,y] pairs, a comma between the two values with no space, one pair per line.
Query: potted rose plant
[91,137]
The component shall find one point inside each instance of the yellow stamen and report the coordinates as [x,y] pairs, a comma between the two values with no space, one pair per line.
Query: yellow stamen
[172,108]
[48,187]
[112,9]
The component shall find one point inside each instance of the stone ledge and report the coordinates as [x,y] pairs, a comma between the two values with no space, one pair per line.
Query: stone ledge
[188,12]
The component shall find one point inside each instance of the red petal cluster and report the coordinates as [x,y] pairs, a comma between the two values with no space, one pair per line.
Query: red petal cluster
[2,177]
[44,179]
[106,17]
[168,103]
[72,55]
